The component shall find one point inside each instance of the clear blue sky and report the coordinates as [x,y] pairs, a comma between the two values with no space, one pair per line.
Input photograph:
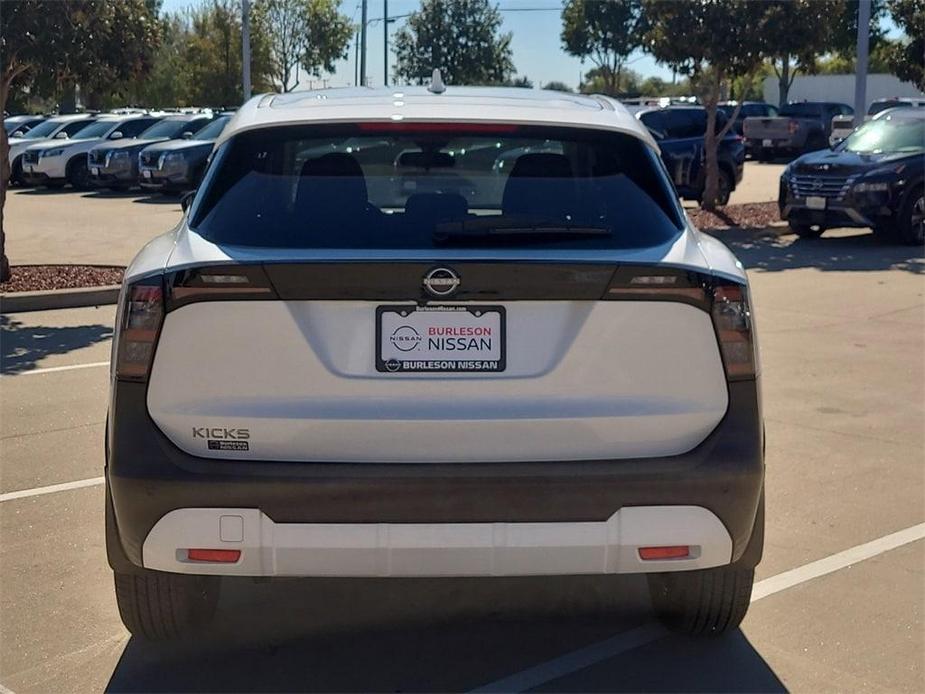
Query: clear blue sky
[535,25]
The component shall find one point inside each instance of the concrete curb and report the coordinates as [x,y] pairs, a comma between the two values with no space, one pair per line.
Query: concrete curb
[19,302]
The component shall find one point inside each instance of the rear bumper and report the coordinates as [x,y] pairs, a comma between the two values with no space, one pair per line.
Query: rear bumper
[436,549]
[584,502]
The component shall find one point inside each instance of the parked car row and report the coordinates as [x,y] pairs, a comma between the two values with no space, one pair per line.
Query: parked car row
[680,132]
[112,150]
[843,125]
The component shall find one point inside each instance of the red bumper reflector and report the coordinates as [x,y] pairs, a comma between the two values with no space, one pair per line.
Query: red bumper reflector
[222,556]
[679,552]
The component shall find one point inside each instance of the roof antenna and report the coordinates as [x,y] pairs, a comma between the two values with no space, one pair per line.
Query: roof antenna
[436,83]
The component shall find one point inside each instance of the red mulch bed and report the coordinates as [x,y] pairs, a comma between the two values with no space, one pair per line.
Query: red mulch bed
[753,215]
[33,278]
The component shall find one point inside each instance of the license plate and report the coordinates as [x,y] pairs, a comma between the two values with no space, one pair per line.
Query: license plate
[31,168]
[767,143]
[94,171]
[815,202]
[146,174]
[440,338]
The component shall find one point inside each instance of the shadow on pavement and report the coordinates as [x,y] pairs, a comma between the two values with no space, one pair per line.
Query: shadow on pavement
[856,252]
[403,635]
[158,199]
[22,347]
[111,194]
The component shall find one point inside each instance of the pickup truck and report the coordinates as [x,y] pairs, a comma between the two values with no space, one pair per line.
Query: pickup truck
[800,127]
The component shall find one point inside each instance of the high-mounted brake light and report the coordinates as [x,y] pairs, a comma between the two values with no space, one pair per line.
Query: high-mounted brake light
[142,317]
[437,127]
[733,321]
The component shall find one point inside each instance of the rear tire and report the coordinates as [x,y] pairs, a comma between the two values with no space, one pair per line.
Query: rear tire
[806,231]
[709,602]
[159,606]
[16,172]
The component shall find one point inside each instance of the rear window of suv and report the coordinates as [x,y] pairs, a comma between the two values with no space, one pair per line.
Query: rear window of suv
[435,185]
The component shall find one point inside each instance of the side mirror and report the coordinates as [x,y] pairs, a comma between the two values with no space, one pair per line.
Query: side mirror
[61,136]
[117,135]
[18,133]
[187,136]
[187,199]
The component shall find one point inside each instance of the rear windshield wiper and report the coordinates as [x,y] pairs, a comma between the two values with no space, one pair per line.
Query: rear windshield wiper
[495,229]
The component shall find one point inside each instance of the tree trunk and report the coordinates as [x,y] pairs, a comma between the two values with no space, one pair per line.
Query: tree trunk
[783,82]
[711,143]
[4,182]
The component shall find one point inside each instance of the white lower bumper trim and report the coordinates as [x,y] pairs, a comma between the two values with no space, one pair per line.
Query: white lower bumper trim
[436,549]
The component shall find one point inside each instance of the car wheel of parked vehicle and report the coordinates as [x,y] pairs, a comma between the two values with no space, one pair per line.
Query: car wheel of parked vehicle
[16,172]
[702,603]
[724,187]
[763,155]
[807,231]
[157,605]
[78,175]
[912,218]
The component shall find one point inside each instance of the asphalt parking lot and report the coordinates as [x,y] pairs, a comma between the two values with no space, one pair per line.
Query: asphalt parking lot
[838,607]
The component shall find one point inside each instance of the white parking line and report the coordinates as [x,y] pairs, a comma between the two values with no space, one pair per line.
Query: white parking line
[53,369]
[605,650]
[51,489]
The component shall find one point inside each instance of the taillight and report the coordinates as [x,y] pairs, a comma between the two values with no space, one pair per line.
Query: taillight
[142,317]
[727,304]
[218,283]
[793,126]
[733,321]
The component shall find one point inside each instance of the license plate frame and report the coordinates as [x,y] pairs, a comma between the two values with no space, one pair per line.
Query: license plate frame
[816,202]
[146,173]
[413,315]
[94,171]
[767,143]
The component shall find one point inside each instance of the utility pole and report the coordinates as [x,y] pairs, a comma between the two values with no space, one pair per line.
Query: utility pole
[356,59]
[860,73]
[363,43]
[385,43]
[246,47]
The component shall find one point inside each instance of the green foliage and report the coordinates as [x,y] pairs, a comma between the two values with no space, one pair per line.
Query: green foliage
[310,34]
[605,33]
[712,41]
[557,86]
[603,81]
[99,44]
[845,26]
[906,58]
[461,37]
[523,82]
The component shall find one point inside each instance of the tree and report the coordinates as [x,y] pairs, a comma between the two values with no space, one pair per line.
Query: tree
[461,37]
[606,33]
[712,41]
[907,58]
[310,34]
[53,43]
[796,33]
[845,27]
[557,86]
[597,81]
[213,55]
[523,82]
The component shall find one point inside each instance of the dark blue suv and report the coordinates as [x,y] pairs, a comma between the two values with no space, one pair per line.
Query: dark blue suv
[679,131]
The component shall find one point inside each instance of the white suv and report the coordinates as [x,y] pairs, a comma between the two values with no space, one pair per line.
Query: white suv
[371,349]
